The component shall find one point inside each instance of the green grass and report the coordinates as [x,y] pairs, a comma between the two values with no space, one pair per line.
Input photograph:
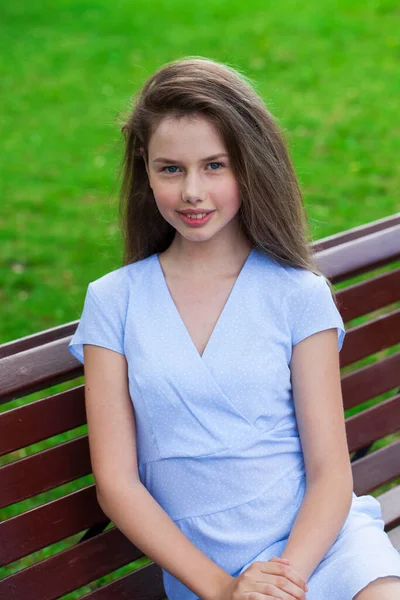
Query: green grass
[327,70]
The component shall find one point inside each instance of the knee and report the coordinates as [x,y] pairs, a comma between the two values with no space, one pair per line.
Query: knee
[382,588]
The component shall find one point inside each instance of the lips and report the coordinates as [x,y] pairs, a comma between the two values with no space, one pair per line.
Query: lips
[196,221]
[194,212]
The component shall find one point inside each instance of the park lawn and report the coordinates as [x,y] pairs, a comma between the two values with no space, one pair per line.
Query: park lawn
[327,71]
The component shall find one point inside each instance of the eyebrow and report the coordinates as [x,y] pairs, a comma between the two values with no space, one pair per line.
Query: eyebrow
[160,159]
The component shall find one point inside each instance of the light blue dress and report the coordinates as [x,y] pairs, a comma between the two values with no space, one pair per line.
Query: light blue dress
[217,439]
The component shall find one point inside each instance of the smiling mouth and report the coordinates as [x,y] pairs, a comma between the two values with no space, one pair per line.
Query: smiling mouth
[195,216]
[196,219]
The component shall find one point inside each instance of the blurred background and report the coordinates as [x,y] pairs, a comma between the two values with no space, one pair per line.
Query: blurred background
[329,72]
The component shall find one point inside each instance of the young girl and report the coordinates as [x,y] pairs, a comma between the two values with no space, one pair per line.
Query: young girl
[212,379]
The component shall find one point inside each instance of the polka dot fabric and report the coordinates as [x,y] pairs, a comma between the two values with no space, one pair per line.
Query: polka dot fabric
[217,439]
[319,310]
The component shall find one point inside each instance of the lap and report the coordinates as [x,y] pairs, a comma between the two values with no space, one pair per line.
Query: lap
[362,555]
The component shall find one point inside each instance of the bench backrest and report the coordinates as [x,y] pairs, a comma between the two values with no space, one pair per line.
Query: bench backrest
[50,518]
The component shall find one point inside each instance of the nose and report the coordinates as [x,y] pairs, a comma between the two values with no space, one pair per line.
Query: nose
[192,188]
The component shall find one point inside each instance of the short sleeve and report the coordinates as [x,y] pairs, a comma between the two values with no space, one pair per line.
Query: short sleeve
[319,313]
[99,325]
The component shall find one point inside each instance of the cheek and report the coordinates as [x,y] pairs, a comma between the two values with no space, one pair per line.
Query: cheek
[230,195]
[165,198]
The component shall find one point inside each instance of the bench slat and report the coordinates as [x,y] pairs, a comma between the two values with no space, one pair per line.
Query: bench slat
[44,470]
[144,584]
[360,255]
[394,536]
[47,524]
[37,369]
[369,295]
[370,381]
[356,232]
[72,568]
[376,468]
[373,423]
[390,504]
[37,421]
[371,337]
[37,339]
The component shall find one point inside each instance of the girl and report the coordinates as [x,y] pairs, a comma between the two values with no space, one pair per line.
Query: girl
[212,379]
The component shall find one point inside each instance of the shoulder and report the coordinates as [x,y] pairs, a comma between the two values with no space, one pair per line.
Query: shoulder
[305,291]
[116,285]
[289,281]
[301,299]
[302,280]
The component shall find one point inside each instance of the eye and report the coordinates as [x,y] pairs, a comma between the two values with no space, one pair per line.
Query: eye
[164,169]
[215,163]
[169,167]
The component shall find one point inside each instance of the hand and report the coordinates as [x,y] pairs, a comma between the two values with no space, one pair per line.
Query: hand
[273,579]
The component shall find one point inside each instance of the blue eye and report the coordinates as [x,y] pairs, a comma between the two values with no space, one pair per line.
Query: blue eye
[164,170]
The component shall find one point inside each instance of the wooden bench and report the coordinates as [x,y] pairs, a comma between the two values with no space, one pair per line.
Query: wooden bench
[55,539]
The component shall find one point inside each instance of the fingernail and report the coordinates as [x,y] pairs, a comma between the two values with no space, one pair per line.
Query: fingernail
[306,588]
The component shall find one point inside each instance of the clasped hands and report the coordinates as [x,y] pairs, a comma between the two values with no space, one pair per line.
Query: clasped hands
[273,579]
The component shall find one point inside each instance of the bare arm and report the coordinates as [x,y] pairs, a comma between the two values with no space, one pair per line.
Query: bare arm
[318,402]
[142,520]
[120,493]
[321,515]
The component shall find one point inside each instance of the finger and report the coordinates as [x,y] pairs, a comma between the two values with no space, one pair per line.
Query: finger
[279,559]
[287,562]
[293,576]
[285,571]
[289,587]
[270,590]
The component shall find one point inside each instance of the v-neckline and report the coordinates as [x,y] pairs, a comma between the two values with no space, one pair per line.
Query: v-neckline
[223,312]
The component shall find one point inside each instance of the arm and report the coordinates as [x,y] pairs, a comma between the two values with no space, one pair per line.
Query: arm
[315,374]
[120,493]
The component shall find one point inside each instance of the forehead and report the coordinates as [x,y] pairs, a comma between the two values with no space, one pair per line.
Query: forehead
[189,133]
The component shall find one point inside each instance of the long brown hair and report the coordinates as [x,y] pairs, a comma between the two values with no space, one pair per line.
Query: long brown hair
[272,212]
